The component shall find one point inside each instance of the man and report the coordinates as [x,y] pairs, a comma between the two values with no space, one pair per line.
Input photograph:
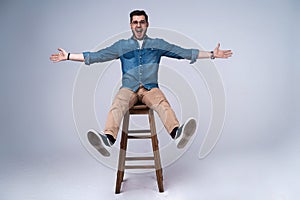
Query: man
[140,57]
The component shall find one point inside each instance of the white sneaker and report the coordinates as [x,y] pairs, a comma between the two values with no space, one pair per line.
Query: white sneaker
[185,132]
[99,141]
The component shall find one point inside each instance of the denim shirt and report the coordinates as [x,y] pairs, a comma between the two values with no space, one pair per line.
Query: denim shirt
[140,65]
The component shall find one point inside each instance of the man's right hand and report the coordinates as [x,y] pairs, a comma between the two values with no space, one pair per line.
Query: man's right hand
[60,56]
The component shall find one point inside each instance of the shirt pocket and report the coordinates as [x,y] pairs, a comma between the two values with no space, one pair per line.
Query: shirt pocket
[151,55]
[128,55]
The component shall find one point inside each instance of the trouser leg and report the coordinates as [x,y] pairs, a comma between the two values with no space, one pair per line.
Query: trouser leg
[123,100]
[156,100]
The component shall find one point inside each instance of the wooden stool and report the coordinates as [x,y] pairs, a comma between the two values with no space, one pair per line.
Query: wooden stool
[131,134]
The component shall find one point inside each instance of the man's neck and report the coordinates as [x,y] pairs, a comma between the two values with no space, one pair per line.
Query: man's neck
[145,36]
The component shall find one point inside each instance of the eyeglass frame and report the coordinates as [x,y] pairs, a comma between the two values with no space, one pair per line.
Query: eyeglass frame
[142,22]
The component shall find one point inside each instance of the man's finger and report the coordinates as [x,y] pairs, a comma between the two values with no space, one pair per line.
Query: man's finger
[60,49]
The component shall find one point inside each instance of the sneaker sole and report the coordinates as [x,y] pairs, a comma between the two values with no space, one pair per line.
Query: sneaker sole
[188,131]
[97,143]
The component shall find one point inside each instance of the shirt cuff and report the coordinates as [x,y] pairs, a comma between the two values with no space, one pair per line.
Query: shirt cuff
[195,53]
[86,56]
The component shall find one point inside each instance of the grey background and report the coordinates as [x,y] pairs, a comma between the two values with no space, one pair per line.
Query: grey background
[257,155]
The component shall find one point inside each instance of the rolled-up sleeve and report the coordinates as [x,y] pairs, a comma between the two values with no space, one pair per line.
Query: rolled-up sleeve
[86,56]
[195,53]
[103,55]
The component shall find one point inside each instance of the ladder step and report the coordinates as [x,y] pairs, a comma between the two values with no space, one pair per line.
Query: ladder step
[139,136]
[139,167]
[139,131]
[138,158]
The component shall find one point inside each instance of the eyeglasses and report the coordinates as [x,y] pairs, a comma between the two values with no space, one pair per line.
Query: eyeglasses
[142,22]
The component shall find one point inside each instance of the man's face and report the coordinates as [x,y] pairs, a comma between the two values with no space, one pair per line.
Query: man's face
[139,26]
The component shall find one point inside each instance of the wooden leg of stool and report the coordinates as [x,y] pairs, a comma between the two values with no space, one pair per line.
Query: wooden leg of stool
[159,177]
[122,153]
[155,147]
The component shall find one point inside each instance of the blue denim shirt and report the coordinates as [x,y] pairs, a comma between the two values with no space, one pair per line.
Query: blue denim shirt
[140,65]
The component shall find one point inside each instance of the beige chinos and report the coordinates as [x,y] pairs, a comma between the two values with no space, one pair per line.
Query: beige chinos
[126,98]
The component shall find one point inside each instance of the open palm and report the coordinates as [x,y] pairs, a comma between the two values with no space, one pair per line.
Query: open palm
[218,53]
[60,56]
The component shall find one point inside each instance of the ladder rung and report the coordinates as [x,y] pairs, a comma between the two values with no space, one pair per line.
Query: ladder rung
[139,136]
[139,167]
[139,131]
[139,158]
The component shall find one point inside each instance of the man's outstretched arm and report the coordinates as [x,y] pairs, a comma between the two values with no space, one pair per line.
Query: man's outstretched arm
[62,55]
[217,53]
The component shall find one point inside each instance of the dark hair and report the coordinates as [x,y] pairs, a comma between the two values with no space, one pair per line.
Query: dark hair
[138,13]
